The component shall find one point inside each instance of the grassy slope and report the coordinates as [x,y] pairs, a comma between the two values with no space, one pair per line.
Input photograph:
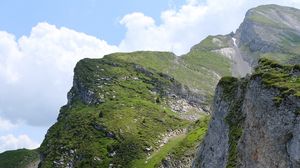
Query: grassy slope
[18,158]
[282,77]
[168,63]
[131,112]
[195,69]
[202,56]
[178,146]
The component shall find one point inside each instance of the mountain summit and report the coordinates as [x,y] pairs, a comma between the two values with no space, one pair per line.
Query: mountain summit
[270,31]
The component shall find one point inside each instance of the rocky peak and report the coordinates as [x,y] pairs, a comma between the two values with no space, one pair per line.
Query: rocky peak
[270,31]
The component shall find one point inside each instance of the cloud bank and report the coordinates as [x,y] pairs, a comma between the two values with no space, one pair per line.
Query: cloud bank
[37,71]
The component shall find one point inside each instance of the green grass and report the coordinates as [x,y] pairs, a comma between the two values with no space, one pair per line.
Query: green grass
[264,20]
[195,69]
[130,111]
[194,137]
[235,118]
[18,158]
[211,43]
[280,77]
[178,146]
[279,57]
[261,15]
[156,158]
[209,60]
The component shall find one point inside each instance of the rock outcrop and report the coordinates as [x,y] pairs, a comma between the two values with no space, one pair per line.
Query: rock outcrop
[255,121]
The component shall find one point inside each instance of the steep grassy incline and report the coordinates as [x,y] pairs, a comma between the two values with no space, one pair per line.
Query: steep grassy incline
[21,158]
[200,69]
[207,56]
[119,113]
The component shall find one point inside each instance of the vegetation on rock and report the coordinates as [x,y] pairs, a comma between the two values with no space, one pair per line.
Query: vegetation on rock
[20,158]
[114,117]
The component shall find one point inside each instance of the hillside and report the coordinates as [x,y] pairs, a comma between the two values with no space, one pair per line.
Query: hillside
[255,120]
[122,114]
[21,158]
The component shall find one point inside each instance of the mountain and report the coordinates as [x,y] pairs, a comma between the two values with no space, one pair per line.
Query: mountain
[140,109]
[152,109]
[122,114]
[270,31]
[255,120]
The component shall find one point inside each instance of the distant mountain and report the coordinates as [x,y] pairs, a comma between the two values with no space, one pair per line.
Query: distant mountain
[270,31]
[152,109]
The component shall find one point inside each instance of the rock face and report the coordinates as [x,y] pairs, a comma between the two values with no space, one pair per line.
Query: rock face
[255,121]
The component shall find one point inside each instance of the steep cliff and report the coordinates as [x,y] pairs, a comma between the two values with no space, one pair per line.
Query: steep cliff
[255,120]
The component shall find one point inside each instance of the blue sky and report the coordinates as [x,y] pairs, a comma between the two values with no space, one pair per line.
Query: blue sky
[41,41]
[94,17]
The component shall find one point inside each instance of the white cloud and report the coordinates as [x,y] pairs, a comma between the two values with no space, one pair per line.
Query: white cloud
[181,29]
[37,70]
[10,141]
[8,55]
[6,125]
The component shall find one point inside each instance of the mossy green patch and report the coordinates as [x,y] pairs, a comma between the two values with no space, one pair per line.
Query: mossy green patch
[155,159]
[285,78]
[235,120]
[212,43]
[178,146]
[213,61]
[18,158]
[197,69]
[194,136]
[233,91]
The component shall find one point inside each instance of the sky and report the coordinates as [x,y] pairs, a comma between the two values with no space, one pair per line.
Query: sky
[41,41]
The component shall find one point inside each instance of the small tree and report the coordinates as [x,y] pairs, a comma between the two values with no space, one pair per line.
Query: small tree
[101,115]
[157,100]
